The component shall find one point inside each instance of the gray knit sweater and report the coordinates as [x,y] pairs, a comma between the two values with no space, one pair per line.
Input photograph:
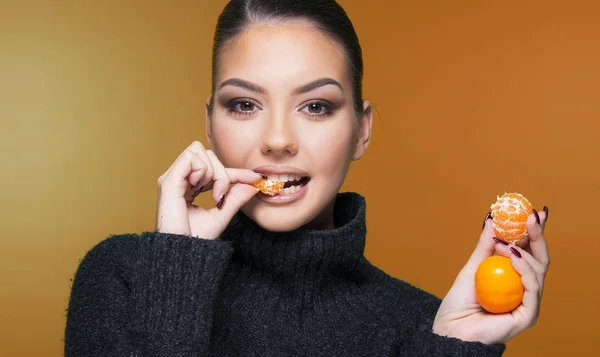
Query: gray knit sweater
[251,293]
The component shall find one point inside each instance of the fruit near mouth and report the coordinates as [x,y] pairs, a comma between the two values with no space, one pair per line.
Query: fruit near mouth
[269,187]
[274,187]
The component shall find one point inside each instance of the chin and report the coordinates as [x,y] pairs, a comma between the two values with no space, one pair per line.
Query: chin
[276,219]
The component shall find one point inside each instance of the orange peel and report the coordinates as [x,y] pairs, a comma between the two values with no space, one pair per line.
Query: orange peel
[269,187]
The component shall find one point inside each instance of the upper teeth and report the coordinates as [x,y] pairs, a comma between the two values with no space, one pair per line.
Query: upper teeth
[284,177]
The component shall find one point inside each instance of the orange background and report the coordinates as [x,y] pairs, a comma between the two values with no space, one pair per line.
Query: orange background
[473,98]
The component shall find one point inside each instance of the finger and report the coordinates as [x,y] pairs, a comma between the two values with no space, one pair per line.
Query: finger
[193,147]
[197,148]
[179,164]
[485,247]
[244,176]
[238,176]
[537,242]
[529,309]
[176,178]
[507,250]
[238,195]
[544,215]
[221,181]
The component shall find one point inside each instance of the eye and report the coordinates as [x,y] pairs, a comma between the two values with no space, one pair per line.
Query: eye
[245,106]
[317,109]
[242,107]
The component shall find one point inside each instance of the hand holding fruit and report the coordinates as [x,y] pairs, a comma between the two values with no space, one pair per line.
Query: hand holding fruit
[198,170]
[497,294]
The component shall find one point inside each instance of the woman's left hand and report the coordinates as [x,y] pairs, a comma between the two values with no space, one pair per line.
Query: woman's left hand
[460,314]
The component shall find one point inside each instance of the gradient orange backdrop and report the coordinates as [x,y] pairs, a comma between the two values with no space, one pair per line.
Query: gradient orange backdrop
[473,98]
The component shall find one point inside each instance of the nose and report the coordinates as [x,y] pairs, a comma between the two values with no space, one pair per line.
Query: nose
[279,138]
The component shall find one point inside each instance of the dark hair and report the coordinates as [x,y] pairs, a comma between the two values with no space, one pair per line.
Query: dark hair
[326,15]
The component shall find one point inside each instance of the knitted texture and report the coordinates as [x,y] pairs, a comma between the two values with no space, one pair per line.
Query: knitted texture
[251,293]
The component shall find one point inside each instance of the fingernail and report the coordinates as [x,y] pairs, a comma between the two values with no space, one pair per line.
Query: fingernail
[265,176]
[221,201]
[537,216]
[546,210]
[515,252]
[487,216]
[498,240]
[197,191]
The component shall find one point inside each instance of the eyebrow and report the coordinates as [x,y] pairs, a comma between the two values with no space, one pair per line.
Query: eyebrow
[317,84]
[321,82]
[236,82]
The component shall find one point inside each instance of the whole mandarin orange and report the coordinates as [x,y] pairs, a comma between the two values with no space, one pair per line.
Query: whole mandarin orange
[498,285]
[509,214]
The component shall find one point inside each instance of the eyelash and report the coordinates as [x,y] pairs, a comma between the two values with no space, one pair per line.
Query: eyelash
[231,108]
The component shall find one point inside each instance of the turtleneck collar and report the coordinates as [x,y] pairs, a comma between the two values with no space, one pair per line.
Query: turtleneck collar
[303,253]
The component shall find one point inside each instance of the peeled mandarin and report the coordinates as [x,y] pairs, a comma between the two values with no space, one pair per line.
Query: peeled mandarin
[269,187]
[509,214]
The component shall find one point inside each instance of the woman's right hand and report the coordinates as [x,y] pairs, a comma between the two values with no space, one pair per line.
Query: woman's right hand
[198,170]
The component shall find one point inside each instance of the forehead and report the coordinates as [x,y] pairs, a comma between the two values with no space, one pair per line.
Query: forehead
[282,54]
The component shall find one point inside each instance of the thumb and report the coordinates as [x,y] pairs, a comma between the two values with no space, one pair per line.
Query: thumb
[485,247]
[239,194]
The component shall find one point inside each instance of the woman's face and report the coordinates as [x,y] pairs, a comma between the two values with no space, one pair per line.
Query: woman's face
[283,106]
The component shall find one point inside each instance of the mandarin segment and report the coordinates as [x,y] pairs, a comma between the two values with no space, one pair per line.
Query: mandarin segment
[269,187]
[498,285]
[509,214]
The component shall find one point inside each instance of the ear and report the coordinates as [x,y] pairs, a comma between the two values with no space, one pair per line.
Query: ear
[207,115]
[365,126]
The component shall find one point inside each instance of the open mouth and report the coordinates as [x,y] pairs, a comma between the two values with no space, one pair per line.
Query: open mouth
[291,183]
[283,184]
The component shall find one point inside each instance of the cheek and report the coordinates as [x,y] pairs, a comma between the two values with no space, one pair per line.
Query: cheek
[330,149]
[232,143]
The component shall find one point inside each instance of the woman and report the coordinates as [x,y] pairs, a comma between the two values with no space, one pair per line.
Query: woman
[285,275]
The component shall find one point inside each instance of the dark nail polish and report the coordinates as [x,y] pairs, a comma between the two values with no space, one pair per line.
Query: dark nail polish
[498,240]
[546,210]
[220,204]
[515,252]
[487,216]
[537,216]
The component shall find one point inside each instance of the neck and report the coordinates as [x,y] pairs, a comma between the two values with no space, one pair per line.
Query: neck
[325,219]
[303,253]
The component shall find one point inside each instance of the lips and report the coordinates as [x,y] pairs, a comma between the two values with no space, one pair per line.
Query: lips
[282,172]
